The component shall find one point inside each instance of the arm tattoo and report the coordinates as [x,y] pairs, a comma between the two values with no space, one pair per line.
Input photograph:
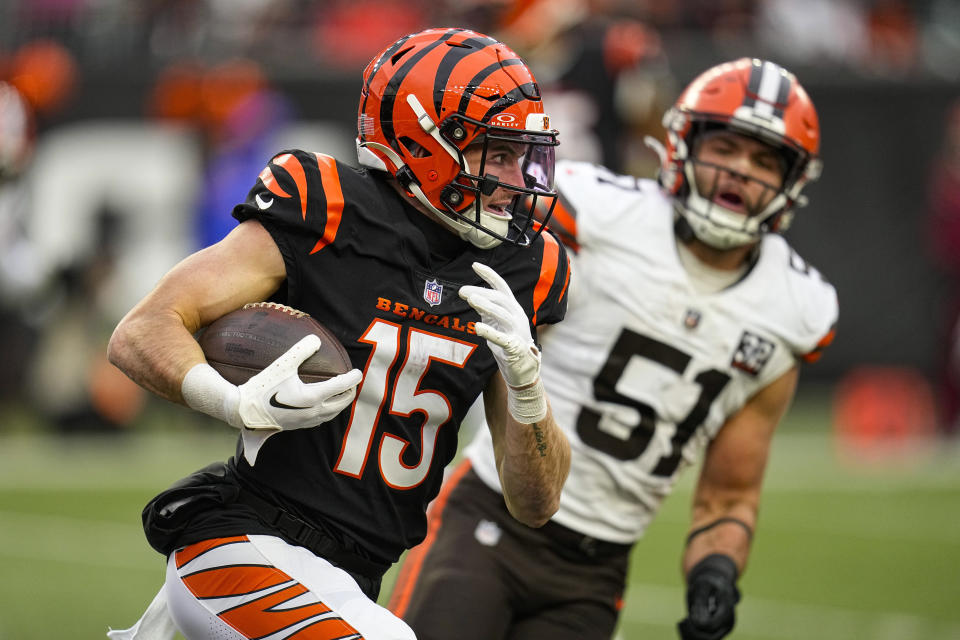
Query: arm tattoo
[538,434]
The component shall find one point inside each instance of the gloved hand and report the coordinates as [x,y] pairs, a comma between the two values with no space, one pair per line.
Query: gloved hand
[712,595]
[273,400]
[276,398]
[506,328]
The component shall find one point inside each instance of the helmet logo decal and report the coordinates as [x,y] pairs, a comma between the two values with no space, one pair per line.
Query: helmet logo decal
[432,292]
[505,118]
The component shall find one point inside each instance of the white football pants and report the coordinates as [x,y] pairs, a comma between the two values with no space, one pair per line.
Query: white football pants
[260,587]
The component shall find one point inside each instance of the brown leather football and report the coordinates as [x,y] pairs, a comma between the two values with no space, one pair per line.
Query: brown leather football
[243,342]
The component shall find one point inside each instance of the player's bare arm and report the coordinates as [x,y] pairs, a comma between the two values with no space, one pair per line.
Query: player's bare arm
[533,459]
[728,491]
[154,345]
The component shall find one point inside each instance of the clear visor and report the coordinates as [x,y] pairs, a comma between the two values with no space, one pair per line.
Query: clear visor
[513,177]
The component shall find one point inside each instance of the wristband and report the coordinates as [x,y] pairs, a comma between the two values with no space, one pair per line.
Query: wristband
[529,404]
[205,390]
[693,534]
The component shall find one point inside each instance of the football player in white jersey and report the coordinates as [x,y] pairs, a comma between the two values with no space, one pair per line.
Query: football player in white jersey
[688,318]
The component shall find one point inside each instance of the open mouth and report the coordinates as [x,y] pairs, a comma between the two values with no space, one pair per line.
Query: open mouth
[731,200]
[497,210]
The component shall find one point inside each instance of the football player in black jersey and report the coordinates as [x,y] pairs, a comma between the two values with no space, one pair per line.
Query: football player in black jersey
[428,267]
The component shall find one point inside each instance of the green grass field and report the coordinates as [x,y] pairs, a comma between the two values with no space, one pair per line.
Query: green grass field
[843,552]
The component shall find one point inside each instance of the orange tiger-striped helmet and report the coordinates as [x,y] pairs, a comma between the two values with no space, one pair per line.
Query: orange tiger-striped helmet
[751,97]
[429,96]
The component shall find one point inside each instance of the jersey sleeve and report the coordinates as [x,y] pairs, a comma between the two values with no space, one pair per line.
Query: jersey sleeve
[550,291]
[299,199]
[818,309]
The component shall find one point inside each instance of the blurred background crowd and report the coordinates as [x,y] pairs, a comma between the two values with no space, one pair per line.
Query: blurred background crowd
[128,130]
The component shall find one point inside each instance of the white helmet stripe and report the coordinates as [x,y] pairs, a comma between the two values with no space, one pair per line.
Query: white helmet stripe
[771,86]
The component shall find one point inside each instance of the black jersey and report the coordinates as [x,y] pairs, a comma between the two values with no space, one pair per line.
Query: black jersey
[384,279]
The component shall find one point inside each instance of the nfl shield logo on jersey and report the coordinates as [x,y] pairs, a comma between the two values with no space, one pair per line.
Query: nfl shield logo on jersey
[752,353]
[432,292]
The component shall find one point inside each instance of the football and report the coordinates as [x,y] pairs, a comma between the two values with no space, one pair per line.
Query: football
[243,342]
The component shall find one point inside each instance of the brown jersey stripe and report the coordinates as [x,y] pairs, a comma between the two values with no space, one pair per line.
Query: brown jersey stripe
[548,272]
[330,178]
[289,162]
[407,578]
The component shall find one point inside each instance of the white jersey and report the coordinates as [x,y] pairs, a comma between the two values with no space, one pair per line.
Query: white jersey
[645,370]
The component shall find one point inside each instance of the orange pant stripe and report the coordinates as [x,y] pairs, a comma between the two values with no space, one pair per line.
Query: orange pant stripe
[192,551]
[263,615]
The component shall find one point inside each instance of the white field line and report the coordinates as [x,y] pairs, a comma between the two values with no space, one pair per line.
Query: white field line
[761,617]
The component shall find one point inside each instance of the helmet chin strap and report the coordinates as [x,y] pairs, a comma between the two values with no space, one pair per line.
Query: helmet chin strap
[468,232]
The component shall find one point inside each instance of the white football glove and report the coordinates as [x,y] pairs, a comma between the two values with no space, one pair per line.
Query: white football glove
[274,400]
[506,328]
